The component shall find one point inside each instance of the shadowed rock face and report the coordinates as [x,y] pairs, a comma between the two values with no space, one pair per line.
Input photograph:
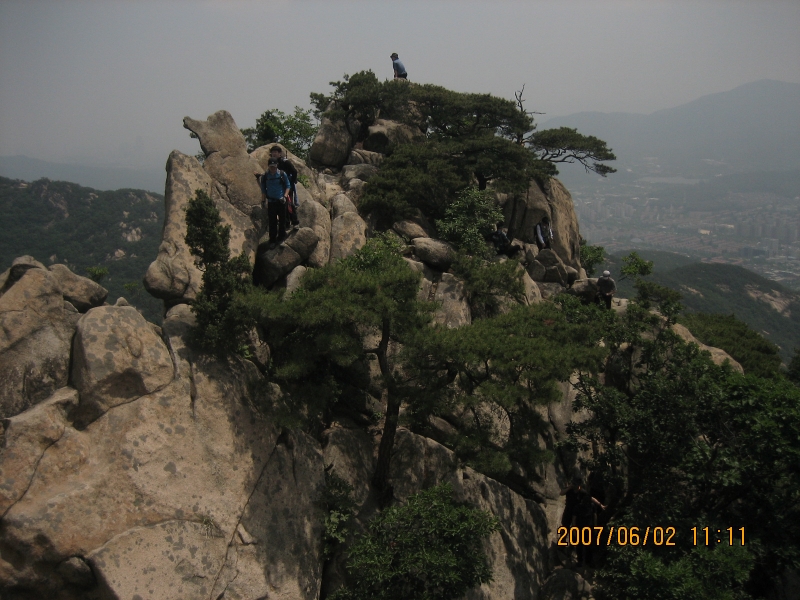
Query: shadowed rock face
[553,201]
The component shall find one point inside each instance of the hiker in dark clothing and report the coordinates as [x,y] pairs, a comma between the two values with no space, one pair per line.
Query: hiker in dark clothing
[397,66]
[501,242]
[606,288]
[580,511]
[543,233]
[285,165]
[275,193]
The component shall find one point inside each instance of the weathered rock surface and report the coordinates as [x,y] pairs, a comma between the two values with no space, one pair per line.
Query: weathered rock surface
[187,492]
[36,329]
[436,253]
[445,289]
[365,157]
[117,357]
[173,275]
[364,172]
[384,136]
[81,292]
[227,160]
[331,145]
[272,265]
[341,204]
[18,268]
[409,229]
[553,200]
[314,215]
[348,234]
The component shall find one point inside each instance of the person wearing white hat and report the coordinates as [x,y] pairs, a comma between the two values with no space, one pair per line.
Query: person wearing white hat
[606,288]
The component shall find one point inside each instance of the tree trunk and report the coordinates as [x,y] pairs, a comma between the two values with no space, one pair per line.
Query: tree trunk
[381,476]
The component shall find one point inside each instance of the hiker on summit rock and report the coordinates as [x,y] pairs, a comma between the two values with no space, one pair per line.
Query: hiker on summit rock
[399,69]
[285,165]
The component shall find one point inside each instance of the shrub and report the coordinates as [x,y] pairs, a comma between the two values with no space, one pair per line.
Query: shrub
[468,220]
[431,548]
[222,323]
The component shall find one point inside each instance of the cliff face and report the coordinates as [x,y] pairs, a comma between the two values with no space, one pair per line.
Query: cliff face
[132,466]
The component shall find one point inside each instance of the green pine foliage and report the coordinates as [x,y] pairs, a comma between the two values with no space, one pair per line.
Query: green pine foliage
[678,440]
[430,548]
[591,257]
[757,355]
[491,377]
[468,220]
[471,138]
[295,131]
[489,285]
[83,228]
[222,322]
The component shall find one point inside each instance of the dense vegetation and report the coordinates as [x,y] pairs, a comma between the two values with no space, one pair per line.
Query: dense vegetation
[670,438]
[468,139]
[757,355]
[724,290]
[57,221]
[295,131]
[430,548]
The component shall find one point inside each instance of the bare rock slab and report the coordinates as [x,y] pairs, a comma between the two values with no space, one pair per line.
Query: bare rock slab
[81,292]
[435,253]
[348,234]
[117,357]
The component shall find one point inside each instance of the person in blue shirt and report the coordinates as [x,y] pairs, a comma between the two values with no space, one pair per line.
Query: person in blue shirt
[399,69]
[275,193]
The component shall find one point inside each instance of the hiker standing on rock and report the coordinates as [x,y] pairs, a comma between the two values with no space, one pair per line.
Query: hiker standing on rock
[275,193]
[399,69]
[606,288]
[543,233]
[285,165]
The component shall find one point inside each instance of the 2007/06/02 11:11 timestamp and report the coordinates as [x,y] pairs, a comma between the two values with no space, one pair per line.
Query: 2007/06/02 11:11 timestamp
[635,536]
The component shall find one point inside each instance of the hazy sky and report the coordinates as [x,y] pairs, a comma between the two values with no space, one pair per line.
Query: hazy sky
[109,81]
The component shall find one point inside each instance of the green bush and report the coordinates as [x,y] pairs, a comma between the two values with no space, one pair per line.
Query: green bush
[430,548]
[591,257]
[468,220]
[222,322]
[295,131]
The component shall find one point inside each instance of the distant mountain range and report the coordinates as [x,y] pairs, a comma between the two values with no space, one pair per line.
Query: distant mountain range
[98,178]
[62,222]
[753,127]
[766,306]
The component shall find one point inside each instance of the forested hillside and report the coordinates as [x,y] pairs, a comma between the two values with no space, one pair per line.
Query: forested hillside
[768,307]
[62,222]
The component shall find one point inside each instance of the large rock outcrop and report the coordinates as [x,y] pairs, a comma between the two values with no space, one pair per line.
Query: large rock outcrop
[331,145]
[384,136]
[227,160]
[36,329]
[552,200]
[184,492]
[173,276]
